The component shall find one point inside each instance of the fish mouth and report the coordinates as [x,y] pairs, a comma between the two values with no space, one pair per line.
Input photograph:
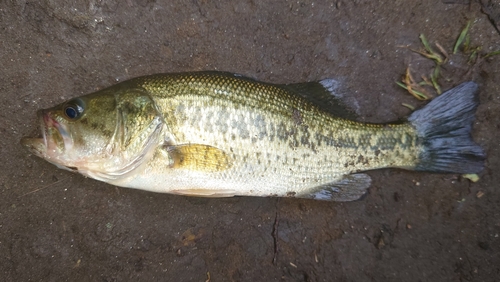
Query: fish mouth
[54,139]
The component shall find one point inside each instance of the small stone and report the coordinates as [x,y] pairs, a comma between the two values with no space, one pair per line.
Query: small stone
[380,243]
[484,245]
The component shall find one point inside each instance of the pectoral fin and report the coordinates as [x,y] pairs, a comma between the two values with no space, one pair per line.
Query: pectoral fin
[198,157]
[350,188]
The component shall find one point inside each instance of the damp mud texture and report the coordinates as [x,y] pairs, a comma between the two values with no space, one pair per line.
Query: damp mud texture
[59,226]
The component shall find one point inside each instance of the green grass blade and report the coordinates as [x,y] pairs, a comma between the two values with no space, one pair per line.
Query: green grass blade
[492,54]
[434,78]
[408,106]
[417,94]
[461,38]
[426,44]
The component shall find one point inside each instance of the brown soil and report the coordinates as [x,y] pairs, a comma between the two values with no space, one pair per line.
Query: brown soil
[59,226]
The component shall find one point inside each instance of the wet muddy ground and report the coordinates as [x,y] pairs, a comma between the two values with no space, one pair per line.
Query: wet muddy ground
[59,226]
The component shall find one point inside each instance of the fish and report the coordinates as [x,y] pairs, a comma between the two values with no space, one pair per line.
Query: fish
[218,134]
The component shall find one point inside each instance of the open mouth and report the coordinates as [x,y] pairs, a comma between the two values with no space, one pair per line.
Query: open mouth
[37,146]
[54,140]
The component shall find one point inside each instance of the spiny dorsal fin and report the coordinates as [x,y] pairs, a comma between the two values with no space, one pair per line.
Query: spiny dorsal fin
[324,94]
[198,157]
[350,188]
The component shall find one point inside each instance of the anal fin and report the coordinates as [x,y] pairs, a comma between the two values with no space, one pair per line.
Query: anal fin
[350,188]
[205,193]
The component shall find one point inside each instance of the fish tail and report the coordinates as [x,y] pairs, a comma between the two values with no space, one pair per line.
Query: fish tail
[444,128]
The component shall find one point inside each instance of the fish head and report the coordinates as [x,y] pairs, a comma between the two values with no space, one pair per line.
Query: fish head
[103,135]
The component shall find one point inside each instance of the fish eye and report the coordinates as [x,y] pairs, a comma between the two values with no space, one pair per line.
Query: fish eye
[74,109]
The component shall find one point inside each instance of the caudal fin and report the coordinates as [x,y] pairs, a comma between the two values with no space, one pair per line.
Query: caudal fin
[445,126]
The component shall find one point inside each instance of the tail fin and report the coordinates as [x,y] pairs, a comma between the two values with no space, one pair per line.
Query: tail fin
[445,126]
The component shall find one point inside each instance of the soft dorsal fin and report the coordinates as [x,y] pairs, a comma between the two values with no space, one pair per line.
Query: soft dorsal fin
[324,94]
[198,157]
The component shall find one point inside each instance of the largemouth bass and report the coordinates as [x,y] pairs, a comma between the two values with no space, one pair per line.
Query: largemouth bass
[217,134]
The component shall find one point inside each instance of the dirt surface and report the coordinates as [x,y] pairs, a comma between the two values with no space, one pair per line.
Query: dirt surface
[59,226]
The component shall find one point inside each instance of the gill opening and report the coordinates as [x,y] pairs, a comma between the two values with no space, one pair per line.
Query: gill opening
[67,140]
[119,132]
[147,152]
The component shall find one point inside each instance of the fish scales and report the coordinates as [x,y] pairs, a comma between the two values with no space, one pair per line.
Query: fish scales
[273,134]
[216,134]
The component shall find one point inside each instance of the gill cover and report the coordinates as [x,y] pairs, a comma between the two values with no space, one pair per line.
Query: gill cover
[136,134]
